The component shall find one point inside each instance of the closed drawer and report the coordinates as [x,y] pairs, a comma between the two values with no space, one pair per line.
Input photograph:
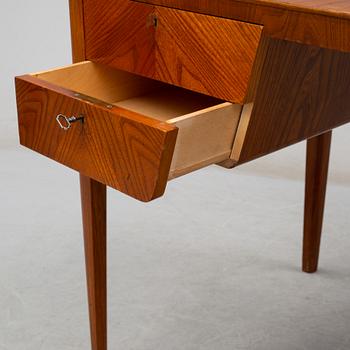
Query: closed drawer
[207,54]
[136,133]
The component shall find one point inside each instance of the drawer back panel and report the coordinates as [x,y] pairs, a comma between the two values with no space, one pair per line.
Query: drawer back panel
[207,54]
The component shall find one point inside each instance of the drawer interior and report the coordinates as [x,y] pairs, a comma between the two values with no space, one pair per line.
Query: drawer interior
[146,96]
[206,125]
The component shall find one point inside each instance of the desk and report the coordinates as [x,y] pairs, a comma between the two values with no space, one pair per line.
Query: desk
[161,88]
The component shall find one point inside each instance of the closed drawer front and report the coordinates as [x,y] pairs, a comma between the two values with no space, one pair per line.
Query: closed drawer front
[136,133]
[207,54]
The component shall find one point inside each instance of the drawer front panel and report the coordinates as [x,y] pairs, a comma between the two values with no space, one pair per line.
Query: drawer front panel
[117,147]
[207,54]
[118,33]
[203,53]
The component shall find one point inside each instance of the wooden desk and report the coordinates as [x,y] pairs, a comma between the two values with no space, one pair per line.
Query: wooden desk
[162,88]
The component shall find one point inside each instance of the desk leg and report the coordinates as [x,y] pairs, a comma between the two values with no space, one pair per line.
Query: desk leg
[317,160]
[93,201]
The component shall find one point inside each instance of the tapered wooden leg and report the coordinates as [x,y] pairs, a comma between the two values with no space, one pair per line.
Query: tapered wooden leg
[317,160]
[93,200]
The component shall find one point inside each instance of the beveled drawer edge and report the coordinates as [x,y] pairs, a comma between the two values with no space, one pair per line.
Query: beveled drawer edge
[241,131]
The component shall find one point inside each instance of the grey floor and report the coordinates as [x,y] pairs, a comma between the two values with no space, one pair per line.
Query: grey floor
[213,265]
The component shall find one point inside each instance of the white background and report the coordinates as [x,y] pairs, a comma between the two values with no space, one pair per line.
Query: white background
[214,264]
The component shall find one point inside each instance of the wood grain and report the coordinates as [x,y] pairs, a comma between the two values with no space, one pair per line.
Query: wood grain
[207,54]
[120,34]
[76,11]
[114,146]
[317,159]
[336,8]
[94,208]
[93,202]
[185,49]
[320,23]
[302,92]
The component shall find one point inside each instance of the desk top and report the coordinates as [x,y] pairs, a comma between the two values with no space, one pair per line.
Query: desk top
[323,23]
[337,8]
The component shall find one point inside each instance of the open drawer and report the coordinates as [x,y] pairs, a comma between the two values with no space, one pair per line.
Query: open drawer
[129,132]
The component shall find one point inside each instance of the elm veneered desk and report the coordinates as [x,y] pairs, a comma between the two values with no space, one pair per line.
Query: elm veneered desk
[161,88]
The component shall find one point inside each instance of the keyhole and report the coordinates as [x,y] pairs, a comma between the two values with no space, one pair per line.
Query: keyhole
[155,21]
[152,21]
